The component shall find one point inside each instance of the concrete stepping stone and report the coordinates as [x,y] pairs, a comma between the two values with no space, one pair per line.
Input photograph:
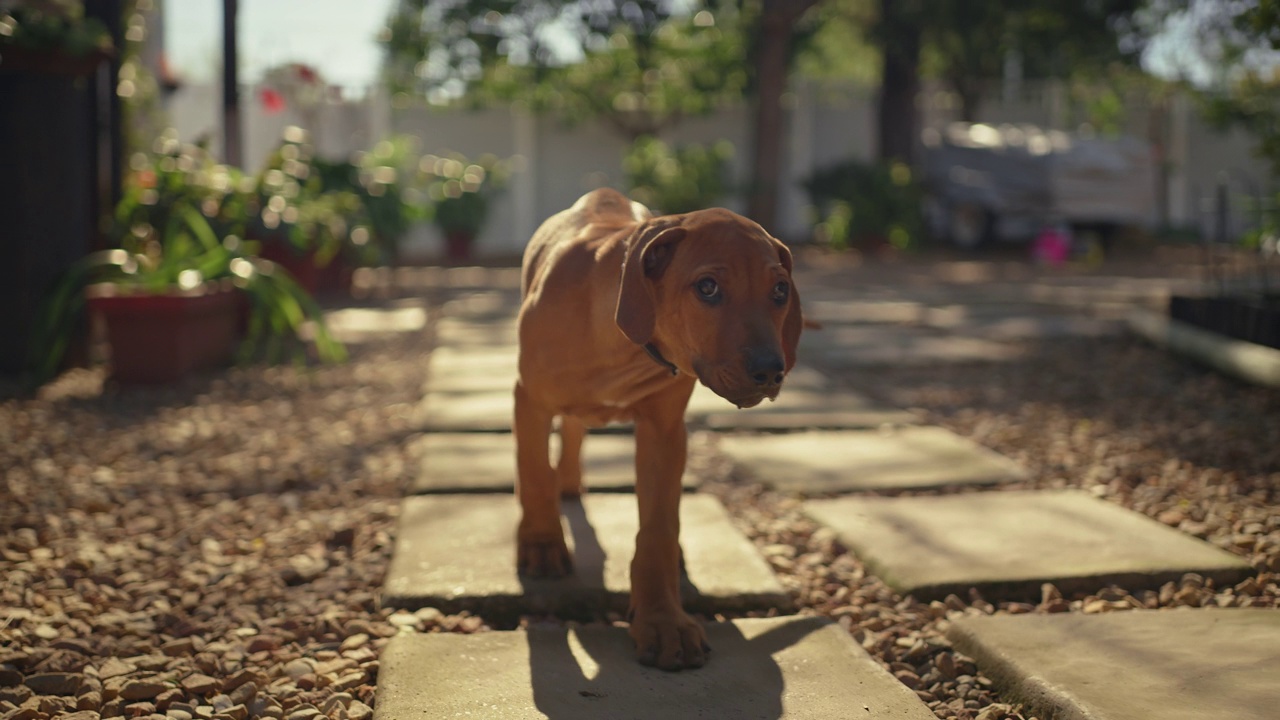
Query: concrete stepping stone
[1007,324]
[777,668]
[1253,363]
[807,401]
[863,311]
[468,390]
[355,325]
[455,369]
[1169,664]
[485,462]
[879,345]
[467,334]
[815,463]
[457,552]
[1040,328]
[482,410]
[1007,544]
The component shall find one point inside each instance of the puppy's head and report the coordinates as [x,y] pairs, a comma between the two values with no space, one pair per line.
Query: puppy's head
[712,291]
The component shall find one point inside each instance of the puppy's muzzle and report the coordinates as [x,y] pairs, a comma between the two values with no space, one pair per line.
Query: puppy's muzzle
[765,368]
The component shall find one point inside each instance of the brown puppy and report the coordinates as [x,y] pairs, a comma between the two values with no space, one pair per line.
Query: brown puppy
[622,313]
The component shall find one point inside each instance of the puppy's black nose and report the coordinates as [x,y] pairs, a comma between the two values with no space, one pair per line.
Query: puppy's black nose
[764,367]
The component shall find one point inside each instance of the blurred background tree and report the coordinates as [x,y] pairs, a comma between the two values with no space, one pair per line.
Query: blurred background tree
[641,66]
[1242,43]
[631,64]
[637,65]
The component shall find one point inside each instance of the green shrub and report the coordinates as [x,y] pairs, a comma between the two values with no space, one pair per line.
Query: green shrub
[857,203]
[460,190]
[679,180]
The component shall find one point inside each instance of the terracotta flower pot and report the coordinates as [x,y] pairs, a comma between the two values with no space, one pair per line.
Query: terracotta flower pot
[160,338]
[458,246]
[300,264]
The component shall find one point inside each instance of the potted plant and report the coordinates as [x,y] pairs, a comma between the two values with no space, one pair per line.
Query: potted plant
[460,191]
[296,221]
[51,37]
[389,202]
[177,295]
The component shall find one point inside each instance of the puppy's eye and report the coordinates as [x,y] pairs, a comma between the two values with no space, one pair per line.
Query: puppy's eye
[781,292]
[707,289]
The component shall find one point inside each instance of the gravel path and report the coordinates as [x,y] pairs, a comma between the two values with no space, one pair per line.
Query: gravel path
[216,549]
[1119,418]
[210,549]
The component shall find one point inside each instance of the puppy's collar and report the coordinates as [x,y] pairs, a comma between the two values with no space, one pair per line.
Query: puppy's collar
[657,357]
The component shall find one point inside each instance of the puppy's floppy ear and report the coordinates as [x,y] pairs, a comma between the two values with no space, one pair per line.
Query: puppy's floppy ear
[649,251]
[793,323]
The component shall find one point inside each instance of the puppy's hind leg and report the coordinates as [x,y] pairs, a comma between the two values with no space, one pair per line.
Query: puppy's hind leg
[569,464]
[540,547]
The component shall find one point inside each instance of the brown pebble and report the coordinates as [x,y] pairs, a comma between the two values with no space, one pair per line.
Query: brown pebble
[354,641]
[244,694]
[168,697]
[114,667]
[237,679]
[179,647]
[297,668]
[359,711]
[54,683]
[140,708]
[16,695]
[91,700]
[199,683]
[263,643]
[142,689]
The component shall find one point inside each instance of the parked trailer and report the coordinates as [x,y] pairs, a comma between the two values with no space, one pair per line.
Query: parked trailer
[1006,182]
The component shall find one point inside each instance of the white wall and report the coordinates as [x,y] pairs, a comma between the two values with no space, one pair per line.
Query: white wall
[826,124]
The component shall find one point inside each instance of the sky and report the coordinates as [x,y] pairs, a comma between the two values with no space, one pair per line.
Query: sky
[338,37]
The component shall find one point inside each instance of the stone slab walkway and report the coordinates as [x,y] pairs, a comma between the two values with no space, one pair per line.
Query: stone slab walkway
[1253,363]
[815,463]
[851,346]
[1007,544]
[489,411]
[485,462]
[456,552]
[469,390]
[462,333]
[808,400]
[1172,664]
[1024,327]
[771,669]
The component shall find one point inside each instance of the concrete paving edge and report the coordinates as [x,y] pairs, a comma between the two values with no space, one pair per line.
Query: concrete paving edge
[1250,362]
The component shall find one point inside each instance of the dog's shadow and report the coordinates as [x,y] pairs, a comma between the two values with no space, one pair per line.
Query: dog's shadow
[592,671]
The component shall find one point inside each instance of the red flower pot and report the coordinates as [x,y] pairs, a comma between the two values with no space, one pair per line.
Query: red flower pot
[159,338]
[298,263]
[458,246]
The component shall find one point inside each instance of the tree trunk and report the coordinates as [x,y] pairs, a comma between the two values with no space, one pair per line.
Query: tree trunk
[772,61]
[970,93]
[231,143]
[898,117]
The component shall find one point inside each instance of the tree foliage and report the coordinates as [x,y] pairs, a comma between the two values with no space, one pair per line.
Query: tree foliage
[969,44]
[1228,52]
[633,63]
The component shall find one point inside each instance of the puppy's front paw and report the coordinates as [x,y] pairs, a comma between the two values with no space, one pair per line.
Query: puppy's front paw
[669,639]
[543,557]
